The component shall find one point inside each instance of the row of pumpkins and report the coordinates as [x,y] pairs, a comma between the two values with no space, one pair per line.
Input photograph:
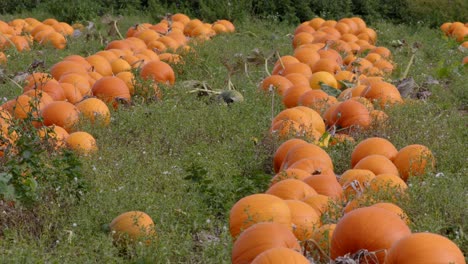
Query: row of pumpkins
[458,31]
[79,88]
[307,205]
[20,34]
[341,90]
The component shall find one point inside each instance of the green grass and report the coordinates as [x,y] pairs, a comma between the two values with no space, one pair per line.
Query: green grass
[186,160]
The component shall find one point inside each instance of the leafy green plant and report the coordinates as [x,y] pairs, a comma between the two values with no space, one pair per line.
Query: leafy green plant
[32,170]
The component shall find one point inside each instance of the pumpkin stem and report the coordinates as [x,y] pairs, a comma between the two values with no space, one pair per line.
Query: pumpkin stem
[281,61]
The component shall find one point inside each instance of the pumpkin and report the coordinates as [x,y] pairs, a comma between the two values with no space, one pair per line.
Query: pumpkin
[280,255]
[303,151]
[81,142]
[351,114]
[282,151]
[378,164]
[258,208]
[386,182]
[259,238]
[158,71]
[291,96]
[314,166]
[414,160]
[373,145]
[289,174]
[395,209]
[304,219]
[110,88]
[291,189]
[369,228]
[319,202]
[277,82]
[60,113]
[95,110]
[132,226]
[67,66]
[419,248]
[326,185]
[386,94]
[355,181]
[56,134]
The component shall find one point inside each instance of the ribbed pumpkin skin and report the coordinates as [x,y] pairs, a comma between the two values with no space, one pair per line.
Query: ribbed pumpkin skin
[259,238]
[369,228]
[424,248]
[280,255]
[374,145]
[131,226]
[257,208]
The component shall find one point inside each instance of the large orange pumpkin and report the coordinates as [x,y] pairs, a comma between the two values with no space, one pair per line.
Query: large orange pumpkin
[258,208]
[259,238]
[422,248]
[414,160]
[158,71]
[95,110]
[373,145]
[110,88]
[370,228]
[60,113]
[282,151]
[304,219]
[291,189]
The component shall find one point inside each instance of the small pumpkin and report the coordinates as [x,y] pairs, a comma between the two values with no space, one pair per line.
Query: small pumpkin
[132,226]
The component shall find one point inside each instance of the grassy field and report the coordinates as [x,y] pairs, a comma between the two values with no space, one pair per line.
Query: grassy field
[186,160]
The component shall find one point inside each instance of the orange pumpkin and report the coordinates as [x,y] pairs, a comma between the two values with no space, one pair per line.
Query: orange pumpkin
[60,113]
[259,238]
[304,219]
[280,255]
[378,164]
[81,142]
[158,71]
[291,189]
[282,151]
[95,110]
[373,145]
[132,226]
[110,88]
[258,208]
[369,228]
[419,248]
[414,160]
